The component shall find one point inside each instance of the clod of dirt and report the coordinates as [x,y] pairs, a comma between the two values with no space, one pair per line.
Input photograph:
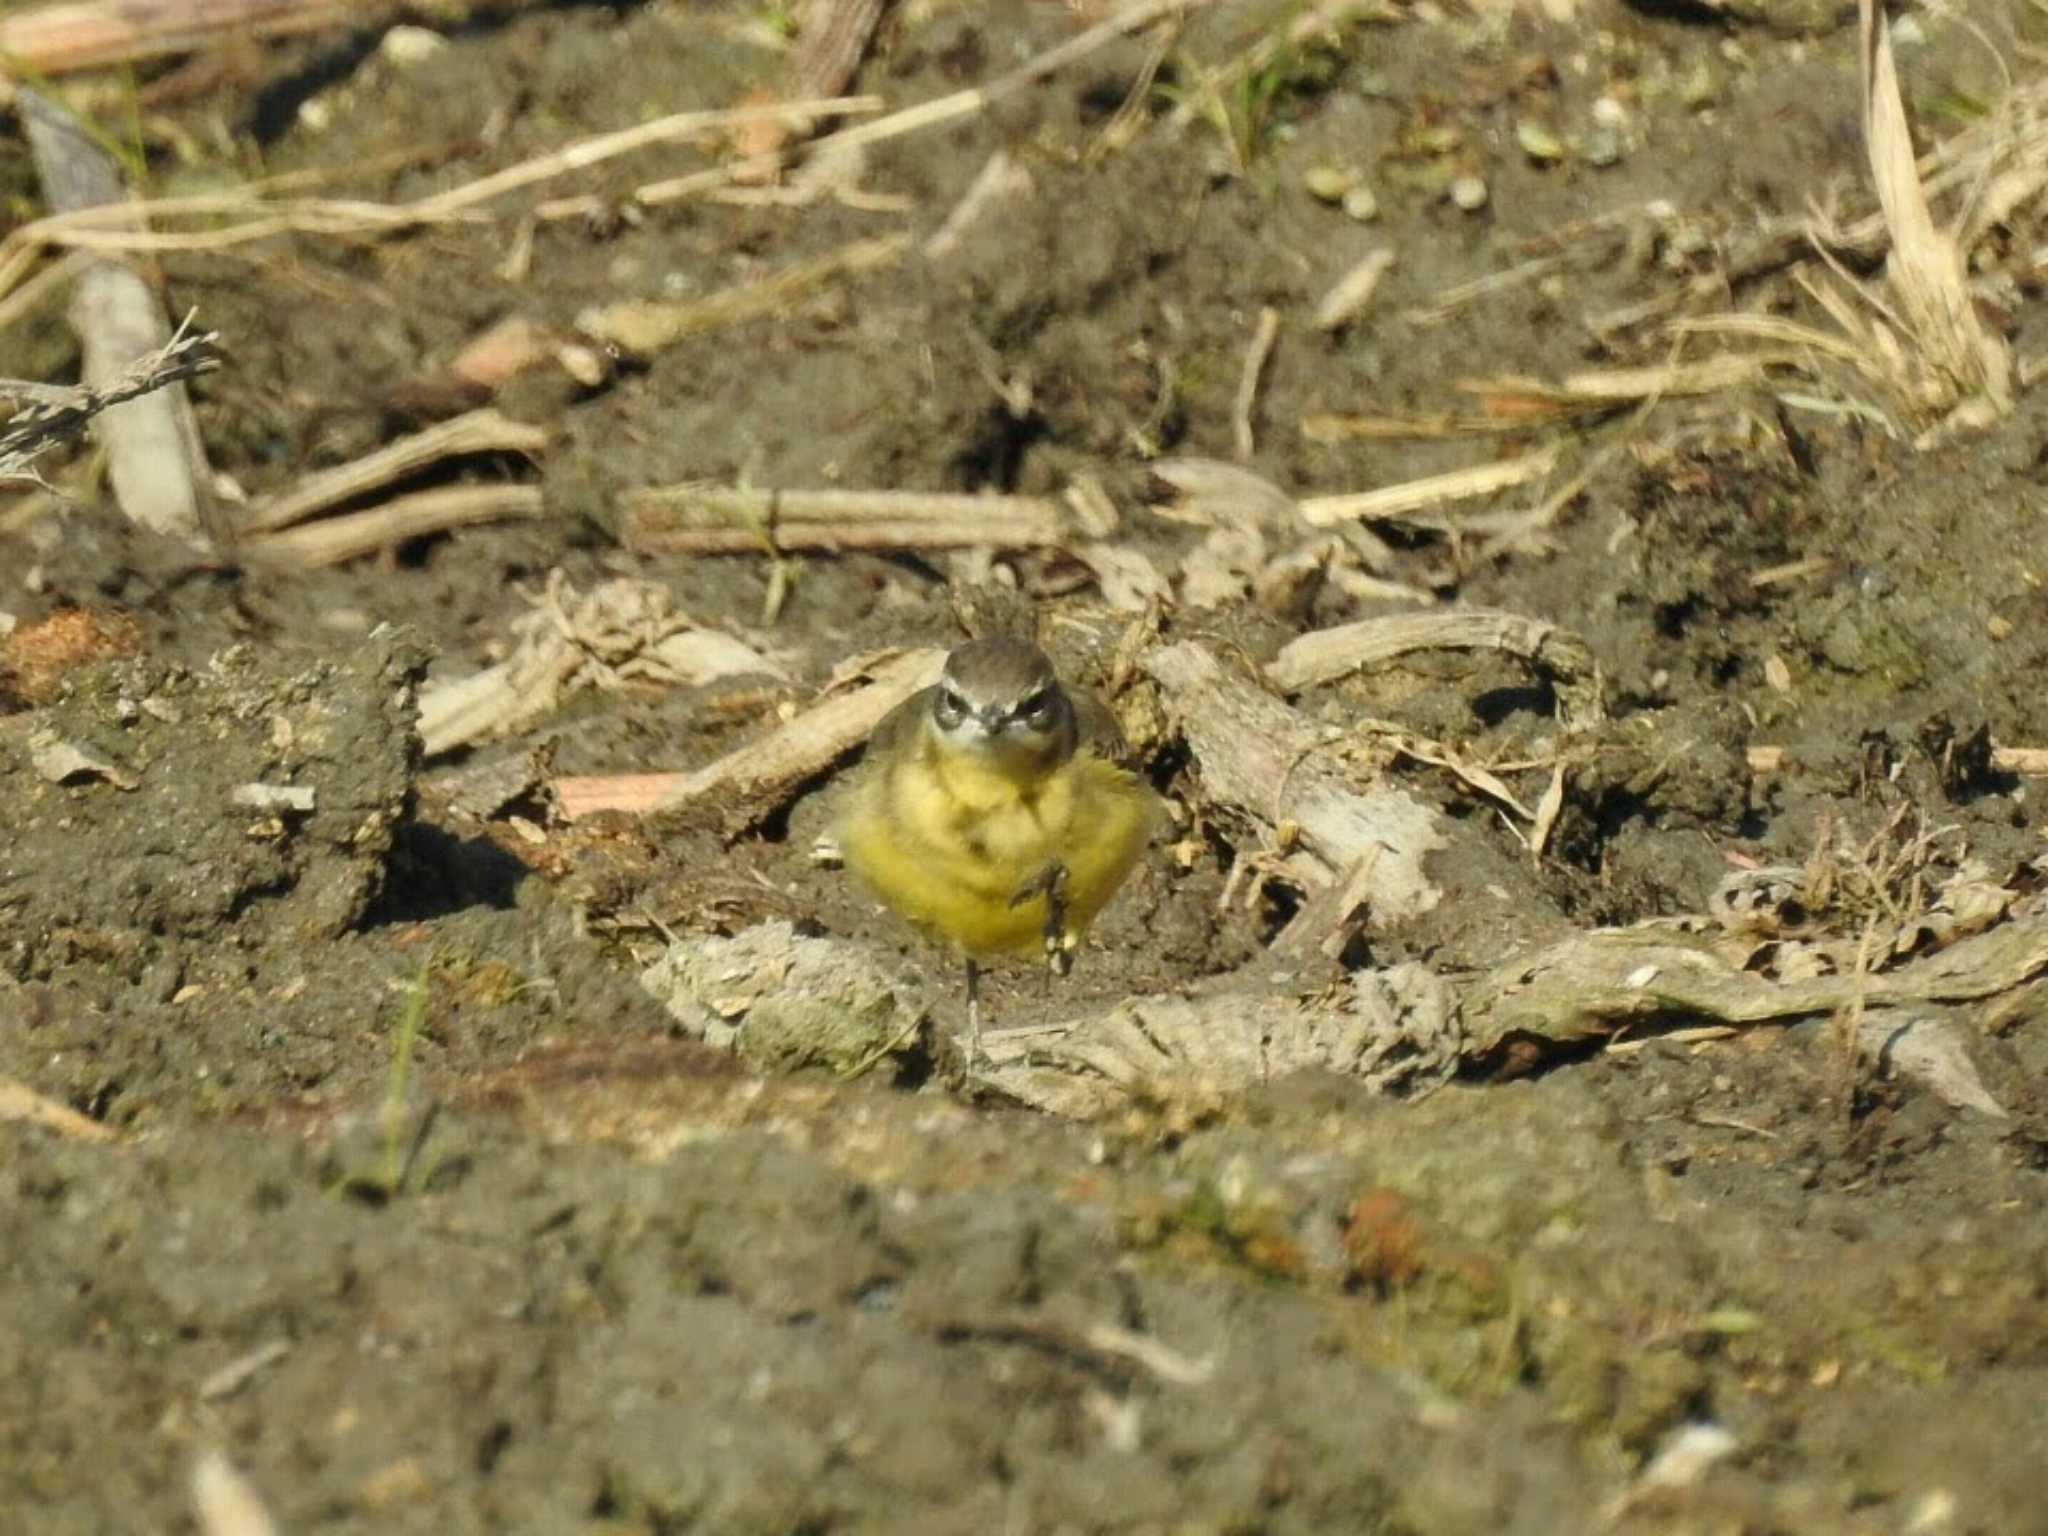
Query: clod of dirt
[176,856]
[782,1002]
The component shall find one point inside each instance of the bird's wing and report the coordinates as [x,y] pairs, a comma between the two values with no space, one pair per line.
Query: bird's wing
[899,725]
[1098,727]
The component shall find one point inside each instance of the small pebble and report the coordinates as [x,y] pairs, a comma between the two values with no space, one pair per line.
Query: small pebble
[1601,146]
[1469,193]
[1538,142]
[404,45]
[1328,183]
[1361,204]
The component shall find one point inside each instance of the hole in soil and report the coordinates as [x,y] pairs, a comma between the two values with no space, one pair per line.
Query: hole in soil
[491,1446]
[1690,13]
[1673,619]
[994,451]
[1167,766]
[275,110]
[1277,910]
[914,1068]
[1497,704]
[435,873]
[1100,97]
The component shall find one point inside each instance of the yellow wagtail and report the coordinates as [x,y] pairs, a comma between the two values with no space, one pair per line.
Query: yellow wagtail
[988,819]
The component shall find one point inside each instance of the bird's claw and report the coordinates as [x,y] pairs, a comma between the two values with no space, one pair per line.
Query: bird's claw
[1051,883]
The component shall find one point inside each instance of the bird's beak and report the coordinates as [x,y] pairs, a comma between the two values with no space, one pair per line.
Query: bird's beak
[980,728]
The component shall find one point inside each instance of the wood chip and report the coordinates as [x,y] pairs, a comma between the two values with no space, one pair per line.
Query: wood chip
[20,1102]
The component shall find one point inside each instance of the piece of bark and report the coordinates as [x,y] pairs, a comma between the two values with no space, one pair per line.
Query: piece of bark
[1561,656]
[757,778]
[1265,765]
[1398,1030]
[1593,985]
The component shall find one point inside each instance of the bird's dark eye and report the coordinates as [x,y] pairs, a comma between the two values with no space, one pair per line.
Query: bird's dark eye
[1037,707]
[951,707]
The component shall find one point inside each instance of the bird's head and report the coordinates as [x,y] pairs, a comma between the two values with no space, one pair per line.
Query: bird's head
[1000,699]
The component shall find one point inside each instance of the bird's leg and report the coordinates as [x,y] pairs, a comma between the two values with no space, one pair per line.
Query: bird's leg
[973,1014]
[1051,883]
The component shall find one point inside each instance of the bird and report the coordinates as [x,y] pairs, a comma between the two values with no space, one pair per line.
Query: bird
[988,815]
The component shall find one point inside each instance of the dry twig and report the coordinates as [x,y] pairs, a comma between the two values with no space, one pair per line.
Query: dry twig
[1431,490]
[646,326]
[1255,357]
[759,776]
[87,34]
[18,1101]
[400,520]
[930,114]
[56,413]
[720,520]
[483,431]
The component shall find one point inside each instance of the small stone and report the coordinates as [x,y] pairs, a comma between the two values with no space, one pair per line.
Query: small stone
[1361,204]
[1538,142]
[1999,627]
[1469,193]
[405,45]
[1328,183]
[1601,147]
[57,761]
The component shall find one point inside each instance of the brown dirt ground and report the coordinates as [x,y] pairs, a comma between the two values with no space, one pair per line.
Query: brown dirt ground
[549,1267]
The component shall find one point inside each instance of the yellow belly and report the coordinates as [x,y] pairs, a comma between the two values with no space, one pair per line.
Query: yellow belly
[948,846]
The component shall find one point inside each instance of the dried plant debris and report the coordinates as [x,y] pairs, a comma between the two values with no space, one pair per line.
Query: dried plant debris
[1912,350]
[56,414]
[623,631]
[19,1102]
[58,761]
[1563,658]
[722,520]
[473,433]
[753,781]
[1398,1030]
[1948,359]
[36,657]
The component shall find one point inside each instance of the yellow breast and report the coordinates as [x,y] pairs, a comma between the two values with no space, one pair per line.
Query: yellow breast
[947,841]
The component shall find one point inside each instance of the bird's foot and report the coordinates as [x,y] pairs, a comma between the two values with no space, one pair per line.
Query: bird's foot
[1060,942]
